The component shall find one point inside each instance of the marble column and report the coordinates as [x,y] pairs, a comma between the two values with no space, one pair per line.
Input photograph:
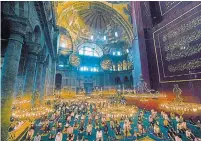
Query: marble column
[33,49]
[39,74]
[10,69]
[43,81]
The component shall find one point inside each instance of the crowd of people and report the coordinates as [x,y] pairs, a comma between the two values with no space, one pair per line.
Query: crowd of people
[81,121]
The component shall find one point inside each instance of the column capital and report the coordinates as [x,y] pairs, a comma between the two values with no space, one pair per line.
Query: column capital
[17,25]
[33,48]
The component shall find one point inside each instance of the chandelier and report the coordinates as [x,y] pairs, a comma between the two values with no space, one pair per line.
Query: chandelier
[178,105]
[30,108]
[119,110]
[143,93]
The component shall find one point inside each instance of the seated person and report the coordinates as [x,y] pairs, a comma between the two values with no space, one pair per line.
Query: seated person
[89,129]
[99,135]
[183,124]
[96,125]
[32,126]
[70,137]
[29,135]
[189,134]
[59,126]
[52,133]
[80,135]
[151,120]
[171,133]
[179,128]
[112,124]
[76,124]
[118,129]
[165,123]
[106,129]
[37,137]
[47,128]
[59,136]
[157,131]
[178,137]
[70,130]
[140,128]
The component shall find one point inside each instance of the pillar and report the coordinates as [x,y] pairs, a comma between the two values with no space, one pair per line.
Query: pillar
[33,49]
[138,46]
[43,81]
[10,69]
[39,73]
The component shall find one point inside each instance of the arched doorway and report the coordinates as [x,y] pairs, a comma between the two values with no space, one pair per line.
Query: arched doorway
[58,81]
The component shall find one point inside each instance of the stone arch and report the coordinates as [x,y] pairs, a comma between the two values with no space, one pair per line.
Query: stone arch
[117,80]
[126,79]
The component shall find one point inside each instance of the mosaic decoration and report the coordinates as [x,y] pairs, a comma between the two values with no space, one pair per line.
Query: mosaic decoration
[98,19]
[166,6]
[178,48]
[106,64]
[74,60]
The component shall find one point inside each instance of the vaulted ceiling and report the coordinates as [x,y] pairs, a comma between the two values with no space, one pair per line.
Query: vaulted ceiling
[98,19]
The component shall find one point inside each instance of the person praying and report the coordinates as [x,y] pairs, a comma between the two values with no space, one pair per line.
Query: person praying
[37,137]
[99,135]
[59,137]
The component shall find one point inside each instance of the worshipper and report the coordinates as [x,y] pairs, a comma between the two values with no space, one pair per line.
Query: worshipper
[59,136]
[189,134]
[32,126]
[89,129]
[177,118]
[99,135]
[157,130]
[70,130]
[106,128]
[52,133]
[179,128]
[151,121]
[47,128]
[118,129]
[37,137]
[29,134]
[183,124]
[171,133]
[59,126]
[178,137]
[140,128]
[112,124]
[70,137]
[165,123]
[80,135]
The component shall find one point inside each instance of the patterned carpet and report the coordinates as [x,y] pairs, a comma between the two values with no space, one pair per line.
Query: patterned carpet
[148,136]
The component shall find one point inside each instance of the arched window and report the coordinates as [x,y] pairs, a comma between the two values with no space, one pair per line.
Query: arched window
[124,65]
[90,49]
[119,66]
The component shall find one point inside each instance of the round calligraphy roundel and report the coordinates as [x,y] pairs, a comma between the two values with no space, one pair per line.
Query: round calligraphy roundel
[74,60]
[106,64]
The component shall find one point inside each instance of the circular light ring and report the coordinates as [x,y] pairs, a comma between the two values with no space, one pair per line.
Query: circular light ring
[75,60]
[106,64]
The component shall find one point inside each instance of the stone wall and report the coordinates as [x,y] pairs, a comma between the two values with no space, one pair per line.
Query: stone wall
[174,48]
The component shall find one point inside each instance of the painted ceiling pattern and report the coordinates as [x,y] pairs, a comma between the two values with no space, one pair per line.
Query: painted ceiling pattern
[91,21]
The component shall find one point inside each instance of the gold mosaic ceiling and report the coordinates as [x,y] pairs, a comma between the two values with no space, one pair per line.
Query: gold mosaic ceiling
[97,19]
